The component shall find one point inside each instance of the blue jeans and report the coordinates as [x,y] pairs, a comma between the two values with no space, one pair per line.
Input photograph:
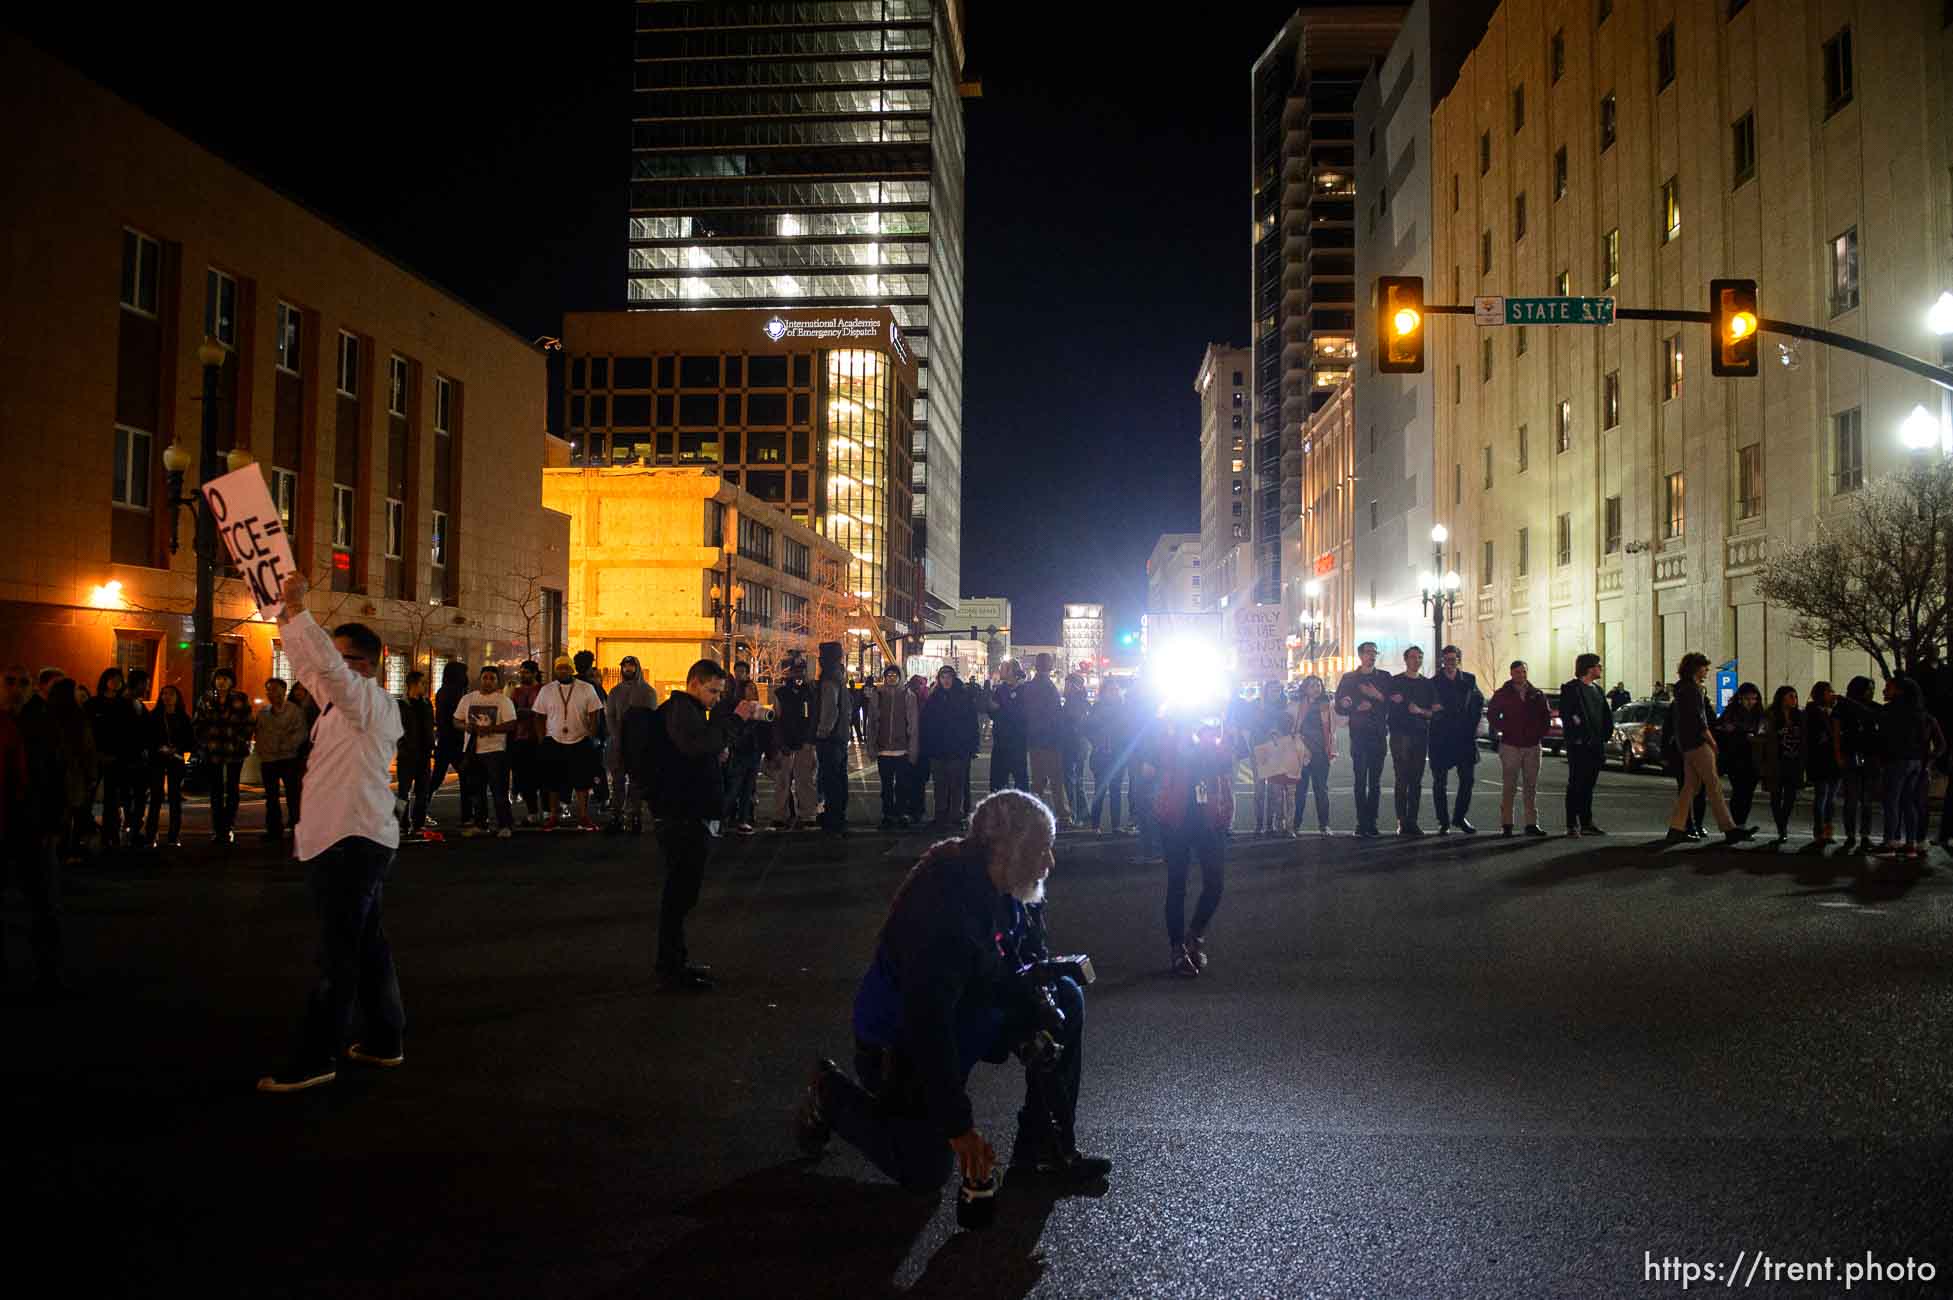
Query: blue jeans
[1075,783]
[831,778]
[742,779]
[888,1125]
[1905,821]
[1824,802]
[355,960]
[1107,775]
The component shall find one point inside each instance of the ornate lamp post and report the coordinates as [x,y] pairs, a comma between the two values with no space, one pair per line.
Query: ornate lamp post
[176,463]
[726,601]
[1440,588]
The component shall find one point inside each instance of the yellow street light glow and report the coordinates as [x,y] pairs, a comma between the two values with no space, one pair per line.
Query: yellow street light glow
[1406,321]
[1742,324]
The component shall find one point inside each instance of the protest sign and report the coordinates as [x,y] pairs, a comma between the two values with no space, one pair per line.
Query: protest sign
[241,507]
[1259,651]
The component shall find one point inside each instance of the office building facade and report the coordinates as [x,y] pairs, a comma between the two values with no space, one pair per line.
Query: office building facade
[1082,635]
[398,429]
[1173,575]
[811,155]
[1607,492]
[1221,386]
[803,410]
[1303,101]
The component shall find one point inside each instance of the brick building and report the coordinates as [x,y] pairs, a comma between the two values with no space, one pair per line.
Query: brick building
[391,420]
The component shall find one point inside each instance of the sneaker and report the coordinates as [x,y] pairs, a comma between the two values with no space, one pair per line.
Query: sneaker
[585,824]
[1444,828]
[1589,828]
[505,834]
[430,823]
[1737,834]
[1677,836]
[810,1127]
[1196,948]
[297,1079]
[549,822]
[1573,832]
[1533,830]
[1183,964]
[1410,831]
[1507,832]
[358,1052]
[1059,1166]
[1466,827]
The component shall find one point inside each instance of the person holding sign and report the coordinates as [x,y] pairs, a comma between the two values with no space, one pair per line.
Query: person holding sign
[347,842]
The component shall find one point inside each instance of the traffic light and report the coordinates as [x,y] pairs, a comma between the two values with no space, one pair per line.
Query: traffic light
[1400,324]
[1732,316]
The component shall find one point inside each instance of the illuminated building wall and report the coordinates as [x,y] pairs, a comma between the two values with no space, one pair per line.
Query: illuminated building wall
[811,154]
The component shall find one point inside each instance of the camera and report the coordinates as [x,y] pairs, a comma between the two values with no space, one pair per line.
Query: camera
[1041,1050]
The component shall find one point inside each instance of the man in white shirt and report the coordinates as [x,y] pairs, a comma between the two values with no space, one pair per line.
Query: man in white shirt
[347,842]
[569,707]
[486,716]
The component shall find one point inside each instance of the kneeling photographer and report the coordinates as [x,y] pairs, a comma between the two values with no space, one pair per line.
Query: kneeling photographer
[961,974]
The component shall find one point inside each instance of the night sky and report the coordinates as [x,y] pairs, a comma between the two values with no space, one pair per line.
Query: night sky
[1108,213]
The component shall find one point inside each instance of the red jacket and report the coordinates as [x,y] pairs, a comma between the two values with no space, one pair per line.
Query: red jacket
[1520,720]
[1183,761]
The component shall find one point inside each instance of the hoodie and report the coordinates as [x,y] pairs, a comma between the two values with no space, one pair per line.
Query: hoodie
[626,698]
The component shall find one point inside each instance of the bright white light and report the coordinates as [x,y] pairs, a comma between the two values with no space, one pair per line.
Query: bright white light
[1440,534]
[1427,581]
[1939,317]
[695,257]
[1452,581]
[1920,430]
[1187,673]
[1312,588]
[106,596]
[791,225]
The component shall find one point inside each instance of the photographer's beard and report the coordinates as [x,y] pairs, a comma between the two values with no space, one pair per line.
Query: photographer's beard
[1024,880]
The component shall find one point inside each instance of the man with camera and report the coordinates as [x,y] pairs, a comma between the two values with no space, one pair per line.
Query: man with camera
[961,974]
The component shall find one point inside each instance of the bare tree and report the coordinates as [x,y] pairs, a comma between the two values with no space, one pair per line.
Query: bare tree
[1873,577]
[528,602]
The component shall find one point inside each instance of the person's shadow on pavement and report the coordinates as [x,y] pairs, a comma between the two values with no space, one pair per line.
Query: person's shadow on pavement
[1002,1262]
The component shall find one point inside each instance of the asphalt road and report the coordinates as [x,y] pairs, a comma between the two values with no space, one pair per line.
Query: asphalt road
[1443,1068]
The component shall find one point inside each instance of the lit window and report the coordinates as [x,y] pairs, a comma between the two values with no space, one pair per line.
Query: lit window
[1611,526]
[1749,481]
[1671,366]
[1559,173]
[1671,209]
[1563,284]
[1844,271]
[1610,258]
[1607,121]
[1675,516]
[284,494]
[1563,425]
[1610,400]
[438,539]
[342,516]
[396,528]
[1847,451]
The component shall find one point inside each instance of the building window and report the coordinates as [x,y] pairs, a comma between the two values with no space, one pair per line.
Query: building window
[1519,217]
[1488,467]
[288,320]
[1737,7]
[1454,191]
[1373,516]
[1611,526]
[1665,58]
[797,560]
[1484,152]
[140,256]
[1610,258]
[1457,484]
[1743,148]
[220,307]
[1837,71]
[1556,56]
[1559,173]
[1605,11]
[1237,421]
[1524,559]
[1485,252]
[1239,398]
[396,386]
[284,494]
[1675,500]
[1457,385]
[1610,400]
[1671,209]
[1485,576]
[1847,451]
[1563,423]
[396,528]
[1518,108]
[348,364]
[437,538]
[1524,448]
[1844,272]
[1607,121]
[1485,358]
[1749,481]
[1563,540]
[1671,367]
[755,540]
[1563,284]
[1519,340]
[342,516]
[131,468]
[443,404]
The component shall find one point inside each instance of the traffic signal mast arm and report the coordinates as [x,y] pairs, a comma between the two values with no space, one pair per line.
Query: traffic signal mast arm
[1830,338]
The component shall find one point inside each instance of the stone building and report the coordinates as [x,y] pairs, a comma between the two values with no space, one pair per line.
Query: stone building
[1604,491]
[396,426]
[1173,575]
[1319,611]
[1226,480]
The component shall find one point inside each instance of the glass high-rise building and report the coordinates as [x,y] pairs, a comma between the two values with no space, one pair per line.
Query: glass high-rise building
[810,153]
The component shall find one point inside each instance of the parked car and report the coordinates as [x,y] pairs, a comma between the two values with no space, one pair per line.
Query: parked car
[1636,742]
[1554,743]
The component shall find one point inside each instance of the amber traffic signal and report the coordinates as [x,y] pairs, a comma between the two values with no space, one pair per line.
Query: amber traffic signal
[1400,324]
[1733,320]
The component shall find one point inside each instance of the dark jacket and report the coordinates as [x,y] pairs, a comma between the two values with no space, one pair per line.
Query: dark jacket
[1411,699]
[1688,717]
[1737,744]
[1351,700]
[793,715]
[416,730]
[1009,731]
[116,726]
[1521,718]
[1586,717]
[169,731]
[1044,714]
[447,736]
[833,708]
[685,743]
[949,723]
[745,734]
[1858,731]
[945,961]
[1783,750]
[1902,730]
[1316,724]
[1454,732]
[1077,714]
[1109,727]
[1823,749]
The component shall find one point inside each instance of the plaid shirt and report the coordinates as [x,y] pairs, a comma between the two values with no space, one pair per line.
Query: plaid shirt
[224,727]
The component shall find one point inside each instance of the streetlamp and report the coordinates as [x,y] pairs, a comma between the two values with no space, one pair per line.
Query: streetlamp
[726,601]
[176,463]
[1312,617]
[1440,590]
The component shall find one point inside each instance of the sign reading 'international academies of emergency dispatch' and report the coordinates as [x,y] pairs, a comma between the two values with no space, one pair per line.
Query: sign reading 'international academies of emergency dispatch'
[779,328]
